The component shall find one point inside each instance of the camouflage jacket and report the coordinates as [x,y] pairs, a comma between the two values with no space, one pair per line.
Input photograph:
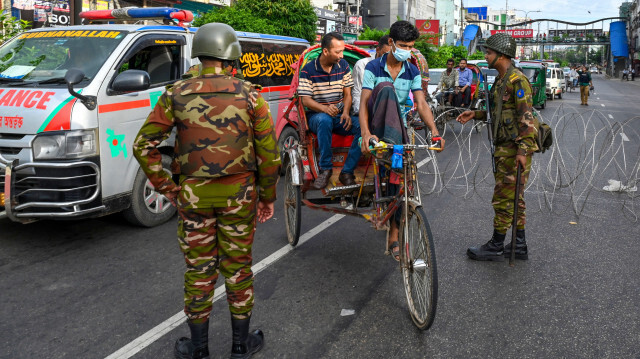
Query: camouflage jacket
[517,126]
[224,127]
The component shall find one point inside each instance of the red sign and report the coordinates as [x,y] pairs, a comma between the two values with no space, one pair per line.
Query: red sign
[515,33]
[430,27]
[355,20]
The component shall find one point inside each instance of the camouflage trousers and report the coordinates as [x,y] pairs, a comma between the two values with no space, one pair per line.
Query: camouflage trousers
[216,224]
[504,193]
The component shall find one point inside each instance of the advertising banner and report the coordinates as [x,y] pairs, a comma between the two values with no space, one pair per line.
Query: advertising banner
[429,27]
[355,20]
[516,33]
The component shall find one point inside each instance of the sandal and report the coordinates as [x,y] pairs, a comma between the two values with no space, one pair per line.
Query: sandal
[394,250]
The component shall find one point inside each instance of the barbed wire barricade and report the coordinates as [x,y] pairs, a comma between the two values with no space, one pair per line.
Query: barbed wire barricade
[594,163]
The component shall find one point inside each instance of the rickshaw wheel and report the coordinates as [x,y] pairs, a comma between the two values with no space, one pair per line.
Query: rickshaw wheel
[419,271]
[292,208]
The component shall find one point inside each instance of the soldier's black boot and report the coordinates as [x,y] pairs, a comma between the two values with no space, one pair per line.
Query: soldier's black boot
[490,251]
[521,246]
[245,344]
[196,347]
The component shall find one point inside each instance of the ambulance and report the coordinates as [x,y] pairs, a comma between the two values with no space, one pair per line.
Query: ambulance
[72,100]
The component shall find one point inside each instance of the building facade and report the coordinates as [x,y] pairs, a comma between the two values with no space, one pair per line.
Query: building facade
[380,14]
[450,14]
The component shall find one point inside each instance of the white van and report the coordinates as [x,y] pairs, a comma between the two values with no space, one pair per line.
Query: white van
[65,143]
[555,82]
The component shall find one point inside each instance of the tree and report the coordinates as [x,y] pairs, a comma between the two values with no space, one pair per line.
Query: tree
[372,34]
[289,17]
[10,27]
[238,19]
[294,18]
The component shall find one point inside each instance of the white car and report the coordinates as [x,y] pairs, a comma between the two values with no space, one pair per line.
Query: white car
[555,82]
[434,79]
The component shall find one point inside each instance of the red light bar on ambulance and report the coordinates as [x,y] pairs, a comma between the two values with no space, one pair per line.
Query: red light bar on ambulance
[134,13]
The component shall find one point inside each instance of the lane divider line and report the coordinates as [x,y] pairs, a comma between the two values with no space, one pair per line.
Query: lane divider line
[176,320]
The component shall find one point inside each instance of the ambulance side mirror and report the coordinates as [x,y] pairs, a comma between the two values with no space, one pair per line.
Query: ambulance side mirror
[74,77]
[131,81]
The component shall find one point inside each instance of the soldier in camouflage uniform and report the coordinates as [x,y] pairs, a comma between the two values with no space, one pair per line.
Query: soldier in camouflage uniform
[228,162]
[516,128]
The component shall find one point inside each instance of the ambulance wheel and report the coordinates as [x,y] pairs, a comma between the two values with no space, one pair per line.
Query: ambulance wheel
[148,207]
[287,138]
[560,95]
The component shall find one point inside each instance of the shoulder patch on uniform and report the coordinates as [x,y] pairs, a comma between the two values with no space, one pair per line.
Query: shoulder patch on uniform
[514,78]
[520,93]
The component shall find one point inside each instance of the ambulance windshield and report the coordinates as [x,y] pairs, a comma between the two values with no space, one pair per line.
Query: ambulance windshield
[44,57]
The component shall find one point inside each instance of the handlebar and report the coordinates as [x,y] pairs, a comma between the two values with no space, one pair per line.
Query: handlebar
[436,145]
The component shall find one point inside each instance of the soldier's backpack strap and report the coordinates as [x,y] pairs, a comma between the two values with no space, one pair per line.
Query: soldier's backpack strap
[509,76]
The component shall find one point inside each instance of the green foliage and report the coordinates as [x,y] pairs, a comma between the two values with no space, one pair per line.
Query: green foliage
[478,55]
[10,27]
[284,17]
[289,17]
[372,34]
[437,57]
[238,19]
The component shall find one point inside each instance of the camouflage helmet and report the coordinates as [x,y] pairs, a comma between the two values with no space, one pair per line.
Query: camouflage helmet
[216,40]
[502,43]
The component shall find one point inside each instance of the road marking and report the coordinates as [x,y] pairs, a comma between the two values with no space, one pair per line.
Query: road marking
[624,137]
[596,98]
[611,117]
[168,325]
[177,319]
[602,104]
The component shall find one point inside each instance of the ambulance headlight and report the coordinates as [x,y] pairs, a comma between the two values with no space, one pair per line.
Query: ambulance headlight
[68,144]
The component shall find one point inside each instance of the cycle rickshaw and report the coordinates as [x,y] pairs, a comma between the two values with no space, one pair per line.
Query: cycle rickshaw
[443,113]
[369,198]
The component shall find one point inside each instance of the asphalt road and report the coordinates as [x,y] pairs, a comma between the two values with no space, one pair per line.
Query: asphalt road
[88,289]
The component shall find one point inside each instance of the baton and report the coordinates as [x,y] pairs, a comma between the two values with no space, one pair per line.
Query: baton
[512,258]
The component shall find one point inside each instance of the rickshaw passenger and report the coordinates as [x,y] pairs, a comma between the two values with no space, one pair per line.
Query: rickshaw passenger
[358,70]
[325,89]
[465,78]
[387,83]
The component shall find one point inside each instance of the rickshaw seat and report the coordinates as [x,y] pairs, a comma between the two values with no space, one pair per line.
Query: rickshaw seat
[341,141]
[337,141]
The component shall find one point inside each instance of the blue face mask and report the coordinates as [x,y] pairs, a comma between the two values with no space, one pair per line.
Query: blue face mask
[400,54]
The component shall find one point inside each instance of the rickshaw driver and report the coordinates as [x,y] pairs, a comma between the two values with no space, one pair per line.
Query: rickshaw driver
[392,70]
[325,89]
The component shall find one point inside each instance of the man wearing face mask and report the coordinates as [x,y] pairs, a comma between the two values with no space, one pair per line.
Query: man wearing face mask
[385,87]
[514,132]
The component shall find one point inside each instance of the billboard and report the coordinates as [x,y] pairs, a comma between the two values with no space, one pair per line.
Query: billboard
[429,27]
[481,11]
[516,33]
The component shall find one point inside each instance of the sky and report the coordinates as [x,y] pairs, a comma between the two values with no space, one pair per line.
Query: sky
[567,10]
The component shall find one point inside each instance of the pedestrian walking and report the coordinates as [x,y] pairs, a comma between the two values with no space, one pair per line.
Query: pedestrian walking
[228,169]
[625,75]
[514,136]
[586,84]
[633,74]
